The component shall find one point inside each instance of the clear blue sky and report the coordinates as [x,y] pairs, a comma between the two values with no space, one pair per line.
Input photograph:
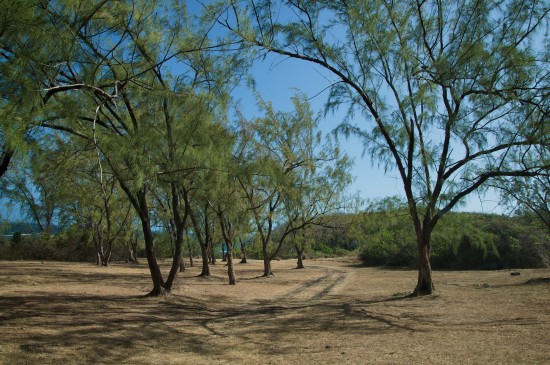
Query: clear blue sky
[277,79]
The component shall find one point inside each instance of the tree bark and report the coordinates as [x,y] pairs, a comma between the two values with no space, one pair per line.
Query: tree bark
[243,250]
[267,262]
[156,275]
[230,267]
[132,250]
[5,159]
[182,264]
[197,229]
[205,261]
[424,284]
[102,254]
[211,253]
[300,264]
[190,253]
[179,225]
[227,232]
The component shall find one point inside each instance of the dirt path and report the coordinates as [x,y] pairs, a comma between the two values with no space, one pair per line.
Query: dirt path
[333,312]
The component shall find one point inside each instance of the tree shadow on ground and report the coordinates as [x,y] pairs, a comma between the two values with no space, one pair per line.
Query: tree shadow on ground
[113,328]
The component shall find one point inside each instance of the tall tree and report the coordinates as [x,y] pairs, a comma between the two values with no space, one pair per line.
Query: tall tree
[289,177]
[452,89]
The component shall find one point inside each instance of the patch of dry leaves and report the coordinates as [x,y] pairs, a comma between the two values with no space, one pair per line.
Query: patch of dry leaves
[333,312]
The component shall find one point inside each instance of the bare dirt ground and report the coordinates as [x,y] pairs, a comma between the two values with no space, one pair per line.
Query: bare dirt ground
[333,312]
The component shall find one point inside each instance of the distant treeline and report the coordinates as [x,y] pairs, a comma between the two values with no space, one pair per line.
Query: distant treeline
[460,241]
[384,238]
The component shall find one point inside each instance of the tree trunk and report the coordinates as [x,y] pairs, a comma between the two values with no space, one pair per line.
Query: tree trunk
[132,256]
[107,253]
[211,253]
[182,264]
[156,275]
[267,262]
[227,232]
[190,253]
[224,252]
[243,250]
[5,159]
[132,250]
[179,226]
[205,263]
[230,267]
[300,253]
[424,285]
[202,242]
[102,255]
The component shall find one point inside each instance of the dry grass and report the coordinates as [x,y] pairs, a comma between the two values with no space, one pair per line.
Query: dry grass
[333,312]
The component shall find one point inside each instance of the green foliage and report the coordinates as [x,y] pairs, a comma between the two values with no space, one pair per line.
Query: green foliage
[323,249]
[16,239]
[389,239]
[71,244]
[461,241]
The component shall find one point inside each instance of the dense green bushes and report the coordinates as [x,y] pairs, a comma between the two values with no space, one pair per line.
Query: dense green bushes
[72,244]
[460,241]
[66,246]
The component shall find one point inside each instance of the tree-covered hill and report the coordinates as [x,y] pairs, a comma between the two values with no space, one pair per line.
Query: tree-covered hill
[461,241]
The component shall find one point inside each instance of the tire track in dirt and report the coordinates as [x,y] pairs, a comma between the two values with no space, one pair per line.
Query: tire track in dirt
[317,289]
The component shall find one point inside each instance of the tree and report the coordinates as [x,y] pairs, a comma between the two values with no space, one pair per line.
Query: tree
[289,178]
[301,241]
[454,89]
[98,203]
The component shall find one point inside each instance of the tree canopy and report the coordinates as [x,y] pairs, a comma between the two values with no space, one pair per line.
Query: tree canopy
[453,90]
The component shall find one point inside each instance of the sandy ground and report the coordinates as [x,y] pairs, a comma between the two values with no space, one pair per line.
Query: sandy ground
[333,312]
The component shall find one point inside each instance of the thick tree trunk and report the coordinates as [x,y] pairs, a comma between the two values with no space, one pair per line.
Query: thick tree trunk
[267,262]
[424,285]
[176,263]
[156,275]
[205,261]
[243,250]
[300,264]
